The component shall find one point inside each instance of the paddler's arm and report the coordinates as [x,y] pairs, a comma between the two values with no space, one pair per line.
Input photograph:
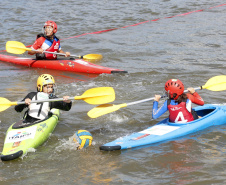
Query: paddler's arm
[27,99]
[67,54]
[156,113]
[194,96]
[40,51]
[62,105]
[20,108]
[37,46]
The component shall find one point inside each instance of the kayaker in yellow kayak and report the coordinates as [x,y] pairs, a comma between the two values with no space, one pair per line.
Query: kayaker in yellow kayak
[178,104]
[45,90]
[47,41]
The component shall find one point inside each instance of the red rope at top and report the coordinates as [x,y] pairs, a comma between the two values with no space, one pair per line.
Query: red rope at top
[183,14]
[102,31]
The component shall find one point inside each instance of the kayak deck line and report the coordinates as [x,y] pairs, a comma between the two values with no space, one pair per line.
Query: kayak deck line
[163,131]
[70,65]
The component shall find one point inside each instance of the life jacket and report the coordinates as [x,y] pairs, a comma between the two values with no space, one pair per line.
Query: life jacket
[39,110]
[53,48]
[179,113]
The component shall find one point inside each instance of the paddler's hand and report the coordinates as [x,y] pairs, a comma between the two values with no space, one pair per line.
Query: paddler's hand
[67,54]
[40,51]
[32,52]
[27,101]
[157,98]
[65,99]
[191,90]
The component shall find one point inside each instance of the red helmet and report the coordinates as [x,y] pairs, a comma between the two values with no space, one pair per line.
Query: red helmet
[174,86]
[51,23]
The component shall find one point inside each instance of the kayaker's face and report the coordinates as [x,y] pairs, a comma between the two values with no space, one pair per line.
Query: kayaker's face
[48,89]
[49,31]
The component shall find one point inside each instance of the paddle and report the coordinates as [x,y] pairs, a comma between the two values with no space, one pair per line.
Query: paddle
[95,96]
[16,47]
[217,83]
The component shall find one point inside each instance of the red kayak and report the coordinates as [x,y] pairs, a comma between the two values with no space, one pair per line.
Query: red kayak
[72,65]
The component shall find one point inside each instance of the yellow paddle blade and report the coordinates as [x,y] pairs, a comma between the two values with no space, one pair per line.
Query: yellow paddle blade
[92,57]
[5,104]
[104,109]
[16,47]
[99,95]
[216,83]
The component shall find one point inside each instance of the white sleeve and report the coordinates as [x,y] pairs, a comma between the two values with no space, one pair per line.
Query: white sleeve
[188,105]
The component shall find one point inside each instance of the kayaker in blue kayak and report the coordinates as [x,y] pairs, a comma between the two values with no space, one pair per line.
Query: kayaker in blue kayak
[178,103]
[47,41]
[45,90]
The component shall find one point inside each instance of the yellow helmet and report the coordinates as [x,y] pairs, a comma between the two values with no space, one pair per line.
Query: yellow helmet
[44,79]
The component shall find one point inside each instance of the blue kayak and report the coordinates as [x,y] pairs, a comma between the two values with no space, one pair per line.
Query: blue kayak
[164,130]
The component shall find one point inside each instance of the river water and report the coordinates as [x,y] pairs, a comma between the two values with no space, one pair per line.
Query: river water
[189,47]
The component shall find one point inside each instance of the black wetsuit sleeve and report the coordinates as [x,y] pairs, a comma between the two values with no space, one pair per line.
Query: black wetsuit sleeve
[60,105]
[20,108]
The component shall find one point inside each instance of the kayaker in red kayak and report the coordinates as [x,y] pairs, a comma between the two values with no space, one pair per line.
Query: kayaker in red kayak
[178,104]
[45,90]
[47,41]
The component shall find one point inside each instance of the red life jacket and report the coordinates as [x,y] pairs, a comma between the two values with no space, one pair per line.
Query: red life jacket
[53,48]
[179,113]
